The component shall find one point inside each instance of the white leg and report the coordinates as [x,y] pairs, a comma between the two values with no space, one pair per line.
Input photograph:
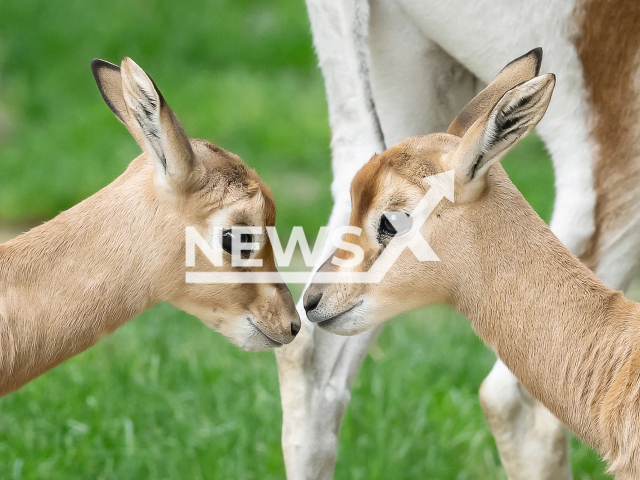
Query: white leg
[316,371]
[531,441]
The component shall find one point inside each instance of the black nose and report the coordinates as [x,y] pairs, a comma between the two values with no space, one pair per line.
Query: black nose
[312,301]
[295,329]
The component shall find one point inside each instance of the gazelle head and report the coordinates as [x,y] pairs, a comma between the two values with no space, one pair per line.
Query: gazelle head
[391,185]
[192,183]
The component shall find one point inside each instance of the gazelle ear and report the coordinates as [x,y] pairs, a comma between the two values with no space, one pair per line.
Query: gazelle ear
[109,79]
[498,131]
[109,82]
[134,99]
[155,127]
[520,70]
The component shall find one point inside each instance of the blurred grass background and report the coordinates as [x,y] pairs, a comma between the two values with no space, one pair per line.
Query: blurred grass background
[164,397]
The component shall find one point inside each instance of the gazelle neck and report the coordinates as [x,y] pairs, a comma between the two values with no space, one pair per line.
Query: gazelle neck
[564,334]
[66,284]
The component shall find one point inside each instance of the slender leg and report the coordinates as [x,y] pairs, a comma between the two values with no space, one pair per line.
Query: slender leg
[531,441]
[316,374]
[316,371]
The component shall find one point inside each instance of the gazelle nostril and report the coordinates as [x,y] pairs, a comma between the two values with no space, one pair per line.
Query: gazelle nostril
[312,301]
[295,329]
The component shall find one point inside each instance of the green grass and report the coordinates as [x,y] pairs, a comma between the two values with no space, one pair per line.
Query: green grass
[164,397]
[230,69]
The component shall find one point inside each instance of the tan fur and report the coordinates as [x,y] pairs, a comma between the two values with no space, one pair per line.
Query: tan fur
[609,49]
[570,340]
[66,284]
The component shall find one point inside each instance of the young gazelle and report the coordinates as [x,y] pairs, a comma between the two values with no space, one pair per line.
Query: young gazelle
[398,68]
[570,340]
[66,284]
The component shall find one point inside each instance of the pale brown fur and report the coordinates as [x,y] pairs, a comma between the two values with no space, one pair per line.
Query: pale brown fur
[570,340]
[609,48]
[69,282]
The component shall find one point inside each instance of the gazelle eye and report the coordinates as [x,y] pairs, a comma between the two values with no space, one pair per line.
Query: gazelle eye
[246,238]
[227,242]
[394,223]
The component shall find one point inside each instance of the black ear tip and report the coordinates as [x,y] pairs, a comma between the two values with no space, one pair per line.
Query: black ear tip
[95,65]
[98,64]
[537,52]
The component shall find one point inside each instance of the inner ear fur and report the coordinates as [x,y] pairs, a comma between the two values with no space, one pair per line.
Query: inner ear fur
[520,70]
[516,113]
[109,80]
[108,77]
[136,101]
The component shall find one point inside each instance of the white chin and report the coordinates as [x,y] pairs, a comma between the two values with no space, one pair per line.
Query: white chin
[257,346]
[250,339]
[242,333]
[345,325]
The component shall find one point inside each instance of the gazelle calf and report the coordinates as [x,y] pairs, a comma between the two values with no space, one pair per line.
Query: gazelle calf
[66,284]
[398,68]
[570,340]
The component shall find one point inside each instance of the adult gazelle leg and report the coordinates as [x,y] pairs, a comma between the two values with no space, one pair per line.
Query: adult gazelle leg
[532,443]
[317,370]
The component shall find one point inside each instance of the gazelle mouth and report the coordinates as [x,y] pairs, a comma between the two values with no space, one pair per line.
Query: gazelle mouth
[273,342]
[335,319]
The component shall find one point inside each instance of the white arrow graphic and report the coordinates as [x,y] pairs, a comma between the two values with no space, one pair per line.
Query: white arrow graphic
[442,186]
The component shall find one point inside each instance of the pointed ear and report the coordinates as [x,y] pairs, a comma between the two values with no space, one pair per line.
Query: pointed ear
[155,127]
[109,82]
[497,132]
[109,79]
[520,70]
[134,99]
